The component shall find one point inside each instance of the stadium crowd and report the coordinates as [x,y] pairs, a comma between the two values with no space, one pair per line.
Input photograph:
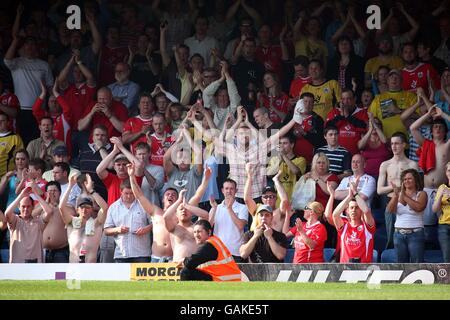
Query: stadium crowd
[272,120]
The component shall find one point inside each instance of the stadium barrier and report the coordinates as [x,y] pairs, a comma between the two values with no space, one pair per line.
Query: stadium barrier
[424,273]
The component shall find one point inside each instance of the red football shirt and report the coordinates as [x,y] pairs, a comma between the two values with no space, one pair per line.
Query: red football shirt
[159,148]
[10,100]
[419,77]
[270,57]
[321,196]
[135,124]
[280,103]
[78,99]
[349,134]
[302,147]
[303,253]
[112,183]
[118,109]
[297,86]
[356,242]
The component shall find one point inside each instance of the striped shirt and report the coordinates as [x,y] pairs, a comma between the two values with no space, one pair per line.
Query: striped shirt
[129,245]
[340,159]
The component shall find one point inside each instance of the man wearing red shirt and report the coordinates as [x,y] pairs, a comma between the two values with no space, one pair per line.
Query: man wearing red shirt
[9,105]
[350,121]
[417,74]
[266,53]
[159,141]
[356,233]
[112,114]
[301,77]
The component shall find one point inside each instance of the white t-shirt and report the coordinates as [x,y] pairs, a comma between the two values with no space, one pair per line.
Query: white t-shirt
[226,229]
[367,186]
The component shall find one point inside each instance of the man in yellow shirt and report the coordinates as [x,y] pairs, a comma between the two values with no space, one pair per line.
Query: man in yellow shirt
[384,58]
[388,105]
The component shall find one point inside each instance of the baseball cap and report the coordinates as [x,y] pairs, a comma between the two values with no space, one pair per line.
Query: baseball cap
[120,157]
[396,71]
[60,151]
[269,189]
[83,200]
[264,207]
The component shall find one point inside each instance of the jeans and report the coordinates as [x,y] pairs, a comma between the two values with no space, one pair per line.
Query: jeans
[389,219]
[133,260]
[444,241]
[57,255]
[410,247]
[155,259]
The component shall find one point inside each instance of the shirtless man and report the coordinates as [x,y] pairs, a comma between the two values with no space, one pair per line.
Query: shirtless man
[390,171]
[435,177]
[269,197]
[54,238]
[84,232]
[182,233]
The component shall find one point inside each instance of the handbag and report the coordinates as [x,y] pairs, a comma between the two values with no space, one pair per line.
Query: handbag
[304,193]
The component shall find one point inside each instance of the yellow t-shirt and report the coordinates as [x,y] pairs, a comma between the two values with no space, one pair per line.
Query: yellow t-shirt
[445,207]
[287,178]
[386,107]
[313,49]
[393,62]
[323,96]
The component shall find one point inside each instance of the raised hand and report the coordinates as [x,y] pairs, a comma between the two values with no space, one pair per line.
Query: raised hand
[207,173]
[330,188]
[299,224]
[130,169]
[212,202]
[73,179]
[116,141]
[268,232]
[181,195]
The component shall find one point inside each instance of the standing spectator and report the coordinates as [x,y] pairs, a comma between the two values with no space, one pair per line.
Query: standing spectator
[222,100]
[11,179]
[441,207]
[84,229]
[355,233]
[159,141]
[309,237]
[9,105]
[262,119]
[417,74]
[346,67]
[130,24]
[60,154]
[44,146]
[373,147]
[127,221]
[124,90]
[26,231]
[200,42]
[136,128]
[27,72]
[112,114]
[247,71]
[326,92]
[36,168]
[309,132]
[350,121]
[365,184]
[213,261]
[380,80]
[388,106]
[425,55]
[230,219]
[145,63]
[110,55]
[301,77]
[366,98]
[442,96]
[385,58]
[9,144]
[264,245]
[390,171]
[339,157]
[408,204]
[273,99]
[54,237]
[268,53]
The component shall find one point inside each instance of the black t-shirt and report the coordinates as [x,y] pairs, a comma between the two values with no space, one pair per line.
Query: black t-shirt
[142,74]
[262,252]
[245,72]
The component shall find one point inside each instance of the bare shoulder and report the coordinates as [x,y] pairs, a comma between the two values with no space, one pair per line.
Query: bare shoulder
[413,164]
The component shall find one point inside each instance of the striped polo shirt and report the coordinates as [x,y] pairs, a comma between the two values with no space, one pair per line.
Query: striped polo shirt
[340,158]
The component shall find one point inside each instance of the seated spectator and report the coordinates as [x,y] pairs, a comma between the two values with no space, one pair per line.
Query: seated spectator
[84,226]
[339,158]
[365,184]
[408,203]
[124,90]
[10,142]
[325,92]
[60,154]
[373,147]
[440,206]
[222,100]
[264,244]
[309,237]
[26,231]
[366,98]
[379,83]
[350,121]
[106,111]
[273,99]
[356,231]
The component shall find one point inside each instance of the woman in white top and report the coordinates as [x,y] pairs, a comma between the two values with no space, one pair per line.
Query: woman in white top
[409,202]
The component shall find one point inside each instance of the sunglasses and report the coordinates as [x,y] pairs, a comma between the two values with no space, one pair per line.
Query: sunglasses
[307,208]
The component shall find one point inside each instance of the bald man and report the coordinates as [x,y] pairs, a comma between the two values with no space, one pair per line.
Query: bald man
[107,111]
[124,90]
